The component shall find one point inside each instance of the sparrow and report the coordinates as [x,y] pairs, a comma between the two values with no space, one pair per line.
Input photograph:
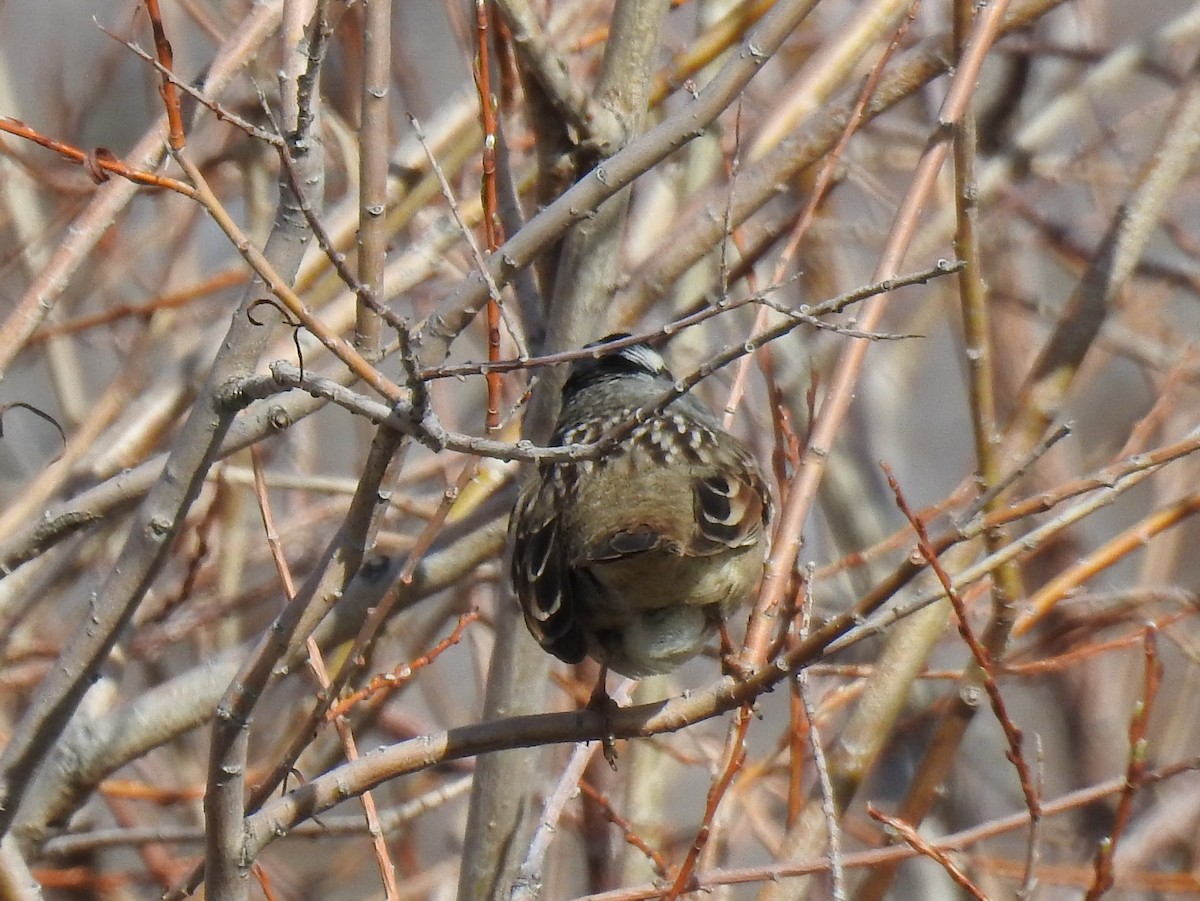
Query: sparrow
[635,558]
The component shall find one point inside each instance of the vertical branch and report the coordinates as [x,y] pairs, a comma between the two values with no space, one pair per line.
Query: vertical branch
[829,803]
[170,95]
[226,862]
[295,87]
[497,822]
[591,254]
[981,382]
[488,194]
[374,135]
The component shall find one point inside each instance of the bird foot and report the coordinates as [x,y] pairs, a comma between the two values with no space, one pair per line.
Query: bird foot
[603,704]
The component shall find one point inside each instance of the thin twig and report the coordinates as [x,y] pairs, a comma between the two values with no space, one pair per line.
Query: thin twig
[979,653]
[925,849]
[1135,769]
[316,663]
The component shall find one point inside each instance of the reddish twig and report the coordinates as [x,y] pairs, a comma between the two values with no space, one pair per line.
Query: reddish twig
[489,198]
[734,758]
[166,59]
[1107,555]
[264,881]
[99,162]
[1076,655]
[1140,881]
[83,879]
[1135,769]
[798,745]
[983,658]
[156,794]
[207,289]
[661,867]
[402,674]
[922,847]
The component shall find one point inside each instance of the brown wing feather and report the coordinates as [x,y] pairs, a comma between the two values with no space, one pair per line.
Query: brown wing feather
[543,581]
[627,543]
[730,511]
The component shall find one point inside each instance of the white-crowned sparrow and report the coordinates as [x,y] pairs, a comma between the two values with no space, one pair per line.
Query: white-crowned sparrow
[636,557]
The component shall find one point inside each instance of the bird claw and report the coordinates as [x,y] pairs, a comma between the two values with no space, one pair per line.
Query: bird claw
[602,703]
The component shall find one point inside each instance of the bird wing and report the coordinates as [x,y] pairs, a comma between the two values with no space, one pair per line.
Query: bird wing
[731,508]
[543,580]
[627,543]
